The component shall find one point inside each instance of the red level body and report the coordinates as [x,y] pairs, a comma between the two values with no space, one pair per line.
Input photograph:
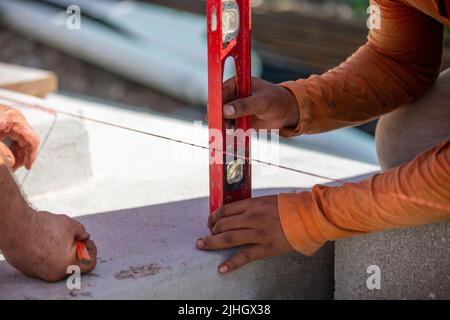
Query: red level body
[224,41]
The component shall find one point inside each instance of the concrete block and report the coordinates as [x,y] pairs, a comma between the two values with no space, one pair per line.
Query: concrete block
[63,162]
[414,264]
[149,253]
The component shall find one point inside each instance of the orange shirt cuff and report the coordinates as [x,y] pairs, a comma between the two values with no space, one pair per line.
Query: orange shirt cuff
[300,95]
[296,210]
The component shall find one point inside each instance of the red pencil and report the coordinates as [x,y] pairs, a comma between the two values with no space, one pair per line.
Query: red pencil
[82,253]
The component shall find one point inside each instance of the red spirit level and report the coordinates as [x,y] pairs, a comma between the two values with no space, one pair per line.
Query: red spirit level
[229,31]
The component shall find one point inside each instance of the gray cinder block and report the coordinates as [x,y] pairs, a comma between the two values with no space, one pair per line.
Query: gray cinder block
[63,162]
[149,253]
[414,264]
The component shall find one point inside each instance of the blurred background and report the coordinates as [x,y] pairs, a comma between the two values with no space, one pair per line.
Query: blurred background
[292,38]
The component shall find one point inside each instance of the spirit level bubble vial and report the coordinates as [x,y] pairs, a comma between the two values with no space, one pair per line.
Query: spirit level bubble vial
[229,31]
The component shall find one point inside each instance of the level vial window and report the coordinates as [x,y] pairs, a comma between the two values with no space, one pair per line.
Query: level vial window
[230,20]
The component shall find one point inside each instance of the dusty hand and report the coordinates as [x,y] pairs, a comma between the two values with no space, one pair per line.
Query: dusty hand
[43,246]
[25,144]
[254,223]
[270,106]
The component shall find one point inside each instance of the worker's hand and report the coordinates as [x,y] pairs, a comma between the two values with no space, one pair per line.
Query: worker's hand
[270,106]
[254,223]
[43,245]
[25,144]
[7,155]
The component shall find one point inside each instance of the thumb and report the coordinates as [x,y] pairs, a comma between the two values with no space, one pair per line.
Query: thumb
[80,231]
[7,155]
[243,107]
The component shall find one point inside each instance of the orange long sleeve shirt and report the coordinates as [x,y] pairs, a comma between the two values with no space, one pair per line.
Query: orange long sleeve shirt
[397,65]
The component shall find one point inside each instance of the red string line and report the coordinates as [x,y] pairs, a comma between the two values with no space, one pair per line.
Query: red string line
[55,112]
[158,136]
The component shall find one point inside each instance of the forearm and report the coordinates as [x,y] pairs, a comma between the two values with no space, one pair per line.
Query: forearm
[414,194]
[13,207]
[397,65]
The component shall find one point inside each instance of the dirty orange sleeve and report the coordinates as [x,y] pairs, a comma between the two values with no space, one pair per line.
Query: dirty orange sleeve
[400,61]
[413,194]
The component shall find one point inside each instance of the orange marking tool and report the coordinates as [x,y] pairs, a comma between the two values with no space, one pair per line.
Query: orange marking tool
[82,253]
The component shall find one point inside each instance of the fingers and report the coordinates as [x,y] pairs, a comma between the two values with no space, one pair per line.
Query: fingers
[80,231]
[92,250]
[232,223]
[22,133]
[229,210]
[229,90]
[19,154]
[227,240]
[252,105]
[7,155]
[242,258]
[27,145]
[236,108]
[80,234]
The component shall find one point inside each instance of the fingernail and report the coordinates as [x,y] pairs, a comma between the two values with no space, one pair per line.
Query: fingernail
[228,110]
[223,269]
[200,243]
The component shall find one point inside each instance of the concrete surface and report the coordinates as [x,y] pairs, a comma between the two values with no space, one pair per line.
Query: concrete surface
[149,253]
[63,159]
[414,264]
[68,148]
[146,188]
[116,169]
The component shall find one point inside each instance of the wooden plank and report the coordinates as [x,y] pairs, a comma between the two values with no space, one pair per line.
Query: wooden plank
[315,43]
[27,80]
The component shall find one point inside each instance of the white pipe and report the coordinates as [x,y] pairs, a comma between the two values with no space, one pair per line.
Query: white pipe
[172,71]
